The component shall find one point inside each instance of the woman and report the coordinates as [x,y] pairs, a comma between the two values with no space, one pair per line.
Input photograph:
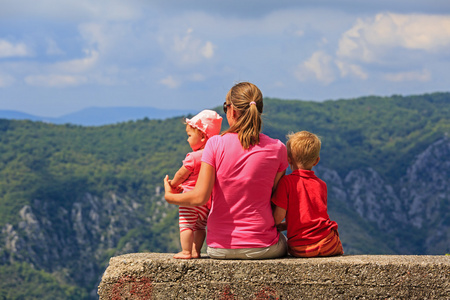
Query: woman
[240,169]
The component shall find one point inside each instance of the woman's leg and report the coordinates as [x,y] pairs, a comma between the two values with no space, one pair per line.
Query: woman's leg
[279,249]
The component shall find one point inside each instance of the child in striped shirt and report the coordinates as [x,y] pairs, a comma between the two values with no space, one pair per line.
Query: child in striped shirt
[192,220]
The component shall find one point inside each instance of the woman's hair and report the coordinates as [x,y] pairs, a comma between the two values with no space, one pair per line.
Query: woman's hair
[303,147]
[247,100]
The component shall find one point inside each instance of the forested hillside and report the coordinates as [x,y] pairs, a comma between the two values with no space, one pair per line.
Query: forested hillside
[71,196]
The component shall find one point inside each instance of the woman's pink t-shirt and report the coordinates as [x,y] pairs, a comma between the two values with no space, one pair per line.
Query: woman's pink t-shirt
[241,214]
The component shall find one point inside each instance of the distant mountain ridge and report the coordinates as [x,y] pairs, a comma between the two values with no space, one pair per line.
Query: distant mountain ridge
[97,116]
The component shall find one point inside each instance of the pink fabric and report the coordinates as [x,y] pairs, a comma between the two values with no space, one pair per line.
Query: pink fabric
[207,121]
[193,218]
[192,162]
[241,214]
[304,197]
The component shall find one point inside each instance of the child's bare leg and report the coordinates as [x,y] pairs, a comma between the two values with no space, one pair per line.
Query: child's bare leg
[186,239]
[199,238]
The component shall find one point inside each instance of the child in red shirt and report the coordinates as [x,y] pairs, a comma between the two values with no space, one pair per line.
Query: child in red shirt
[301,199]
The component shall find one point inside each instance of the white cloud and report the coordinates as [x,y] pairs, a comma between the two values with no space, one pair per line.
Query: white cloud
[318,65]
[208,50]
[372,40]
[100,36]
[347,69]
[197,77]
[55,80]
[170,82]
[77,65]
[8,49]
[134,45]
[188,49]
[69,73]
[422,76]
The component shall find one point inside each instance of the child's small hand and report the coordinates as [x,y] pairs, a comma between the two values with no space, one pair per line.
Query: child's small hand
[168,188]
[177,189]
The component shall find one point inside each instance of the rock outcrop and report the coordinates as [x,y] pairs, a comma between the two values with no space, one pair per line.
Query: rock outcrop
[159,276]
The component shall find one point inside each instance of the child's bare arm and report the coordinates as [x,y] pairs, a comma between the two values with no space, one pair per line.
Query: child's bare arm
[279,214]
[180,176]
[277,179]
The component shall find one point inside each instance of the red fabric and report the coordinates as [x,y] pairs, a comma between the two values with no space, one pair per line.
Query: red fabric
[329,246]
[304,197]
[193,218]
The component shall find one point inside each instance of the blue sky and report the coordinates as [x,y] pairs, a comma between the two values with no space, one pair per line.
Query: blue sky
[57,57]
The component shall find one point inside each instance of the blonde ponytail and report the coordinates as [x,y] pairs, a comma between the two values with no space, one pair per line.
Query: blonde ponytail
[247,100]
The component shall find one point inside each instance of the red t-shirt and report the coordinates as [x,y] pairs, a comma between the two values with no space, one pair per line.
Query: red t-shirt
[304,197]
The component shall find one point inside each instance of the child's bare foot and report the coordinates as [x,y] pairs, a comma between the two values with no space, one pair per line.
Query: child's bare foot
[183,255]
[195,255]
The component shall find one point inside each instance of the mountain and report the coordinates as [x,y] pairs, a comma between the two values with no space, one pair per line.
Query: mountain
[73,196]
[17,115]
[97,116]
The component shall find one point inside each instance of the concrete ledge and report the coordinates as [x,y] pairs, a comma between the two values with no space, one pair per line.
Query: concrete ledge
[159,276]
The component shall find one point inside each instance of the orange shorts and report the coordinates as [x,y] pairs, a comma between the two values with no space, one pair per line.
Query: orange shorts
[329,246]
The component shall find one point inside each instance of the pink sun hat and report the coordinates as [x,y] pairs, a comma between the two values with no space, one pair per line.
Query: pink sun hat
[207,121]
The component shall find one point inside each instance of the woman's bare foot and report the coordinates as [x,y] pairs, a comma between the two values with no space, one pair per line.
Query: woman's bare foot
[183,255]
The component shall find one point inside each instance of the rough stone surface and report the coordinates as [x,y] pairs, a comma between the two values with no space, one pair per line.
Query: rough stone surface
[159,276]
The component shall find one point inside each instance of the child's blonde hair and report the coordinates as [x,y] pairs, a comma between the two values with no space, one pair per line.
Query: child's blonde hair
[247,100]
[303,147]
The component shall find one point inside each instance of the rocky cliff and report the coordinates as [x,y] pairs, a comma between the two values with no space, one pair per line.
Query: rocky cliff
[414,211]
[75,243]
